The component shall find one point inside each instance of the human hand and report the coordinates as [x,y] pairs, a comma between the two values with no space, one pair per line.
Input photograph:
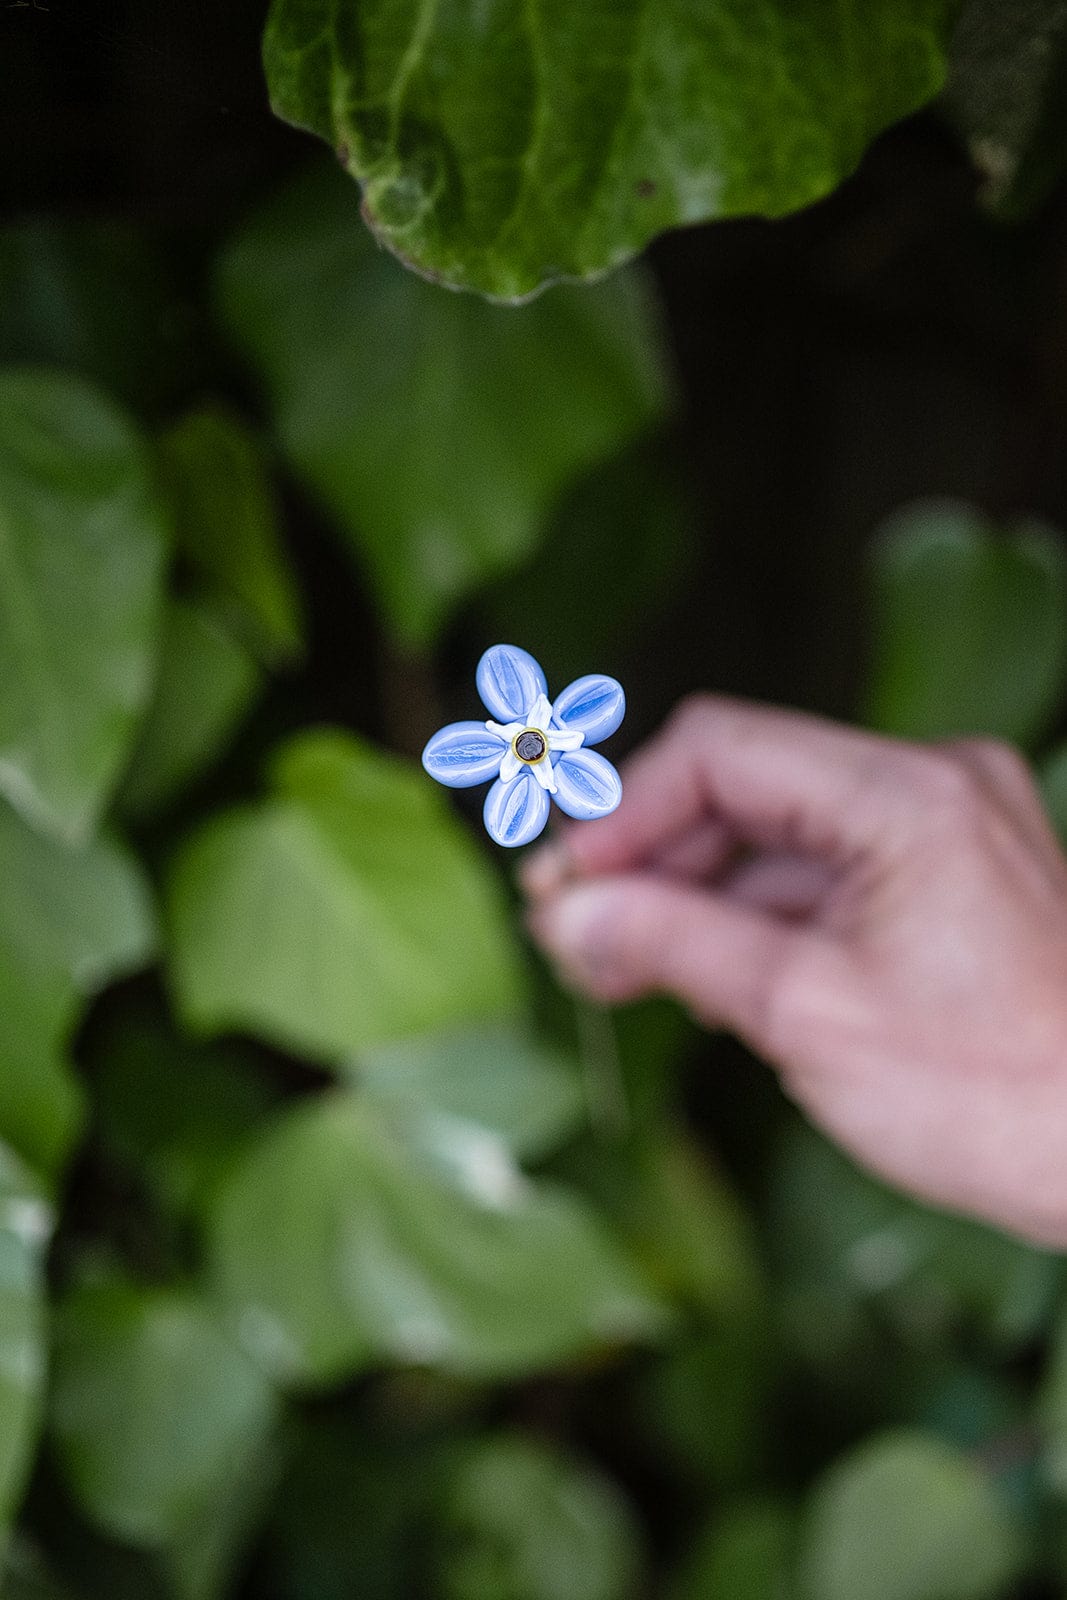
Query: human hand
[885,922]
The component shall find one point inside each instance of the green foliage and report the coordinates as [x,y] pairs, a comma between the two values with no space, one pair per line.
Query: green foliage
[71,921]
[905,1517]
[161,1423]
[346,910]
[414,1241]
[1007,96]
[377,1272]
[504,146]
[81,551]
[26,1221]
[469,483]
[525,1523]
[970,627]
[226,526]
[205,684]
[530,1096]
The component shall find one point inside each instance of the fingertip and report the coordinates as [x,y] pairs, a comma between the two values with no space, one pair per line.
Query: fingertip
[546,870]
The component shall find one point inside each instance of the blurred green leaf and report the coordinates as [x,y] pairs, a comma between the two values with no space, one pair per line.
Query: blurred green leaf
[226,523]
[842,1239]
[26,1576]
[342,1237]
[81,554]
[1007,94]
[159,1420]
[970,626]
[437,429]
[523,1522]
[26,1222]
[745,1553]
[679,1215]
[624,533]
[174,1111]
[71,920]
[346,910]
[103,299]
[709,1404]
[205,684]
[906,1517]
[501,148]
[527,1094]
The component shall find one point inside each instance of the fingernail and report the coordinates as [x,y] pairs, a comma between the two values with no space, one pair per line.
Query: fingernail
[546,870]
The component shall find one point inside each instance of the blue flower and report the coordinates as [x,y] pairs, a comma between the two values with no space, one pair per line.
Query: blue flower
[532,746]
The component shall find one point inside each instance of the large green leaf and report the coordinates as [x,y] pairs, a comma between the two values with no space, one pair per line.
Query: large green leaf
[970,626]
[344,1237]
[522,1522]
[25,1229]
[504,144]
[226,524]
[527,1094]
[81,552]
[70,921]
[157,1416]
[205,684]
[346,910]
[437,429]
[905,1517]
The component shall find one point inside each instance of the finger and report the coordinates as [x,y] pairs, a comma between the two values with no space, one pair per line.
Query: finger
[698,855]
[1007,779]
[782,885]
[618,938]
[778,779]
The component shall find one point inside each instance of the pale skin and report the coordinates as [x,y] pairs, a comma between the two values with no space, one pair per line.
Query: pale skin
[884,922]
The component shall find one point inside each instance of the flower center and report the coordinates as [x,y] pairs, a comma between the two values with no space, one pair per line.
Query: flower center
[530,745]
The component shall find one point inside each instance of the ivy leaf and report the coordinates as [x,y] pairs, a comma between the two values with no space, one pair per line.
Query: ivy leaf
[905,1517]
[26,1222]
[527,1094]
[501,146]
[970,626]
[346,910]
[226,524]
[71,920]
[81,556]
[205,685]
[343,1237]
[437,429]
[159,1420]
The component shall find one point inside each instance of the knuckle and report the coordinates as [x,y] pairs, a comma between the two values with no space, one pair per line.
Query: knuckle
[946,785]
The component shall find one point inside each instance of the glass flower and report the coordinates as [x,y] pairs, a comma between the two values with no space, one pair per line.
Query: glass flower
[534,747]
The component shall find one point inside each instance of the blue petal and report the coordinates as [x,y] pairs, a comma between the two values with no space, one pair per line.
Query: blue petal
[463,754]
[516,812]
[594,705]
[509,682]
[587,786]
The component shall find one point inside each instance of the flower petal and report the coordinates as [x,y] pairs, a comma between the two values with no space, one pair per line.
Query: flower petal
[545,773]
[510,767]
[463,754]
[515,813]
[587,786]
[509,682]
[595,705]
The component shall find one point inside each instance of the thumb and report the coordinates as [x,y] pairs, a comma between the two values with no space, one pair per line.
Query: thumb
[618,938]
